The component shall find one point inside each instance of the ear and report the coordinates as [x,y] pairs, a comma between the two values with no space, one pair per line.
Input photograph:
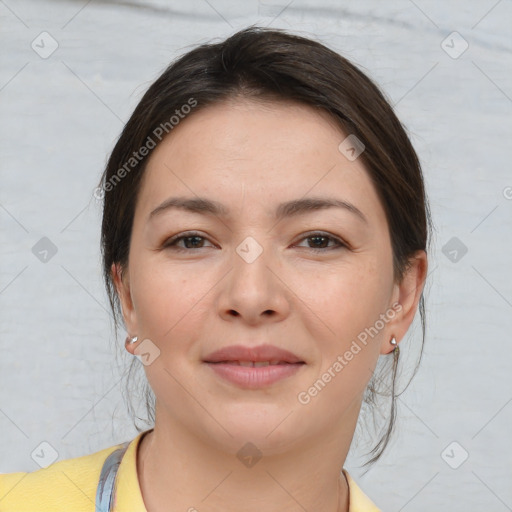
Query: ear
[122,283]
[407,294]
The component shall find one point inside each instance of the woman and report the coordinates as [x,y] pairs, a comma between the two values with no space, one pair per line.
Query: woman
[264,236]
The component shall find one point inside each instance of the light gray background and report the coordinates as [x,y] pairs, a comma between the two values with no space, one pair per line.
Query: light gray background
[60,370]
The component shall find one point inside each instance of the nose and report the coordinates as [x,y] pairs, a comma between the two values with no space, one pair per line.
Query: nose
[253,291]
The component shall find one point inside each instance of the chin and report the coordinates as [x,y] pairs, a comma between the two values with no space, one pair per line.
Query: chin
[269,431]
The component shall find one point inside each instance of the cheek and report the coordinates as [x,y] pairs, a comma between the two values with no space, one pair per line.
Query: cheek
[169,298]
[349,297]
[349,302]
[367,293]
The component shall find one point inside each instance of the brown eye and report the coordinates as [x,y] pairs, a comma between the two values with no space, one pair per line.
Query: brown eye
[320,241]
[190,240]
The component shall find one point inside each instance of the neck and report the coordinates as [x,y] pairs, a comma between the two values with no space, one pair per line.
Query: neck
[178,471]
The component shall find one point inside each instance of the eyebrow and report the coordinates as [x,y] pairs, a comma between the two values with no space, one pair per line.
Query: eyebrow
[292,208]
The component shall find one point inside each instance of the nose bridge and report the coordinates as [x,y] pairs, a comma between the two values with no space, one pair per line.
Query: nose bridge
[253,286]
[251,263]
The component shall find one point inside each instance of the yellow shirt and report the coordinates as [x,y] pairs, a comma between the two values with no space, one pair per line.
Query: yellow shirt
[70,486]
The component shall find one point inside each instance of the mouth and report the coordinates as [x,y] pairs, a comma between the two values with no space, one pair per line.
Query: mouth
[258,354]
[254,374]
[254,367]
[253,364]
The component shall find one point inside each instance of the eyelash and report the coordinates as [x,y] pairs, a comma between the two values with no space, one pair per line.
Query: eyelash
[171,243]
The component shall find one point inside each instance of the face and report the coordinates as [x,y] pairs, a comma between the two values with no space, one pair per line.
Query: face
[307,279]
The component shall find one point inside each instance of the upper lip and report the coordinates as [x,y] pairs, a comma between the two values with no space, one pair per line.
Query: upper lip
[257,354]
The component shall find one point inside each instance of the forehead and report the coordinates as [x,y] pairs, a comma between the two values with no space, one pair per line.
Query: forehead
[267,152]
[269,132]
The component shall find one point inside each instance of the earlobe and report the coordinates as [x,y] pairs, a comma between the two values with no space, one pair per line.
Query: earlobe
[407,293]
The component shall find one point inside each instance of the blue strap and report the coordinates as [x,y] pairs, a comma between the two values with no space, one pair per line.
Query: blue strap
[104,491]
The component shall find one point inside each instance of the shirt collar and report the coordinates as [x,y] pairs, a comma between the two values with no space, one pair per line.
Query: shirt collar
[128,495]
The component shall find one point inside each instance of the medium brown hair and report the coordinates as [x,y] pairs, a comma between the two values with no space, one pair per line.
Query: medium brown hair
[271,64]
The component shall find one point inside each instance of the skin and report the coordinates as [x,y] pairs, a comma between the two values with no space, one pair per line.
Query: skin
[251,156]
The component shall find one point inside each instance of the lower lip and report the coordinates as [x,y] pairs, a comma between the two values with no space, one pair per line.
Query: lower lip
[254,377]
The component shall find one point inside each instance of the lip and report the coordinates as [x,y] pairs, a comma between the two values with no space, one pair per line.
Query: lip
[253,377]
[256,354]
[225,363]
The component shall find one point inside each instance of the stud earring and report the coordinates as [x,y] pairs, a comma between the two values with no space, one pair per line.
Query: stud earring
[131,341]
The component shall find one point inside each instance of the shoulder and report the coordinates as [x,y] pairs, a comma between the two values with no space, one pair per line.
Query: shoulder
[359,501]
[65,485]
